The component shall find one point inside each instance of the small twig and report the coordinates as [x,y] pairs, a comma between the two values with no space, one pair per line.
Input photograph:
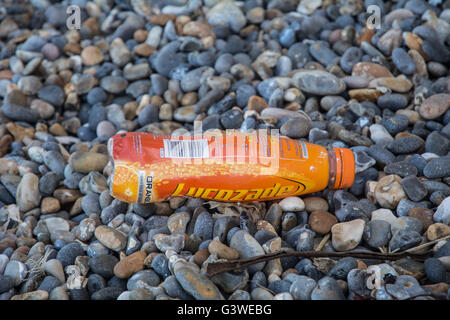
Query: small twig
[323,242]
[427,244]
[231,265]
[220,267]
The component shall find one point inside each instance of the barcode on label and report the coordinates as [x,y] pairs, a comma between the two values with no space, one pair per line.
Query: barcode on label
[186,149]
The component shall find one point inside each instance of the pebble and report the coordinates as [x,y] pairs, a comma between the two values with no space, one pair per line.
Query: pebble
[17,271]
[292,204]
[406,223]
[120,54]
[28,195]
[395,124]
[341,269]
[103,265]
[437,231]
[6,284]
[347,235]
[402,61]
[318,82]
[408,144]
[437,168]
[435,270]
[413,188]
[19,113]
[434,106]
[69,253]
[228,14]
[247,247]
[404,239]
[402,169]
[327,289]
[296,128]
[222,251]
[33,295]
[322,221]
[49,283]
[302,287]
[143,277]
[130,265]
[173,242]
[86,162]
[424,215]
[54,268]
[53,94]
[442,213]
[111,238]
[114,84]
[197,285]
[389,191]
[377,233]
[370,71]
[261,294]
[91,56]
[392,101]
[379,134]
[108,293]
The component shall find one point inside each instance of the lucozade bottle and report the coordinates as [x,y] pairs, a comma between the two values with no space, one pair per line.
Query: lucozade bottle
[232,167]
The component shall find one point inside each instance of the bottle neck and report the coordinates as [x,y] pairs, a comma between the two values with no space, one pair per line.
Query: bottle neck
[331,168]
[341,168]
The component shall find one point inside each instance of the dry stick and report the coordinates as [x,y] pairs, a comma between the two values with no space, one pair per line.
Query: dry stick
[427,244]
[323,242]
[220,267]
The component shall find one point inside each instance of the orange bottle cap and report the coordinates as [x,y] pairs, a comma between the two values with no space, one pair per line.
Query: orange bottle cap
[345,168]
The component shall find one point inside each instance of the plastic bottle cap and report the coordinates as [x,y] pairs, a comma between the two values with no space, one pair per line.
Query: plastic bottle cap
[345,168]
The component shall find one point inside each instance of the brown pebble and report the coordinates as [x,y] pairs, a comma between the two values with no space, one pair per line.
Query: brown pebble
[7,243]
[366,35]
[435,106]
[370,70]
[438,288]
[365,94]
[257,103]
[189,98]
[5,142]
[140,35]
[91,56]
[424,215]
[222,251]
[361,264]
[198,29]
[414,42]
[200,256]
[322,221]
[144,49]
[65,195]
[437,231]
[148,261]
[399,84]
[49,205]
[162,19]
[131,264]
[19,132]
[57,129]
[6,74]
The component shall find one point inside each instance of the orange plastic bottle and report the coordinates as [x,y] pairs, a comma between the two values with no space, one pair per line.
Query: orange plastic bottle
[232,166]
